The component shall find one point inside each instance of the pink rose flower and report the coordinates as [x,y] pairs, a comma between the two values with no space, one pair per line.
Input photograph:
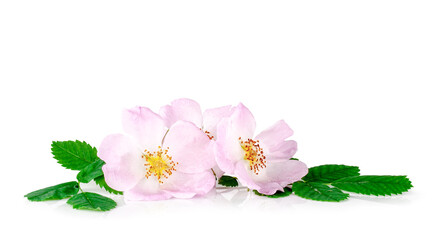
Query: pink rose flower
[189,110]
[261,163]
[154,163]
[185,109]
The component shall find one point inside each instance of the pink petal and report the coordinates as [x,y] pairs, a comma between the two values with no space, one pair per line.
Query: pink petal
[228,150]
[274,177]
[244,175]
[146,190]
[281,173]
[217,171]
[284,150]
[269,188]
[124,165]
[182,109]
[189,147]
[242,122]
[187,185]
[213,116]
[145,126]
[275,134]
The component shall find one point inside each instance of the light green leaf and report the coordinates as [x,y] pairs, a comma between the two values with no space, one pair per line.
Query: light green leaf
[74,155]
[56,192]
[374,185]
[228,181]
[91,171]
[92,201]
[318,191]
[330,172]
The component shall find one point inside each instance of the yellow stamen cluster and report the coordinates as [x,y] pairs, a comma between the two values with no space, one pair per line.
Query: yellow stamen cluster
[159,164]
[253,154]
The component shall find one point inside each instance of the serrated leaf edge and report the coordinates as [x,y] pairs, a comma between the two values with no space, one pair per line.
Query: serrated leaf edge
[90,203]
[337,171]
[106,189]
[408,182]
[314,189]
[55,144]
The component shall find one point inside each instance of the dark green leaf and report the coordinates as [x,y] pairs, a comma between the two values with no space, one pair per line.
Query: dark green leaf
[92,201]
[91,171]
[374,185]
[318,191]
[102,183]
[278,194]
[228,181]
[330,172]
[74,155]
[56,192]
[296,159]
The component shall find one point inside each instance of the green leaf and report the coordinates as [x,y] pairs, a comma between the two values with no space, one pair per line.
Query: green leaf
[56,192]
[374,185]
[92,201]
[74,155]
[91,171]
[228,181]
[330,172]
[296,159]
[278,194]
[318,192]
[102,183]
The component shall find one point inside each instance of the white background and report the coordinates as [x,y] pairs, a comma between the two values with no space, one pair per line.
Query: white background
[358,81]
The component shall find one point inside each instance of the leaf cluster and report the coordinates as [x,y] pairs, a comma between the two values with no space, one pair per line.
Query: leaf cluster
[331,182]
[78,155]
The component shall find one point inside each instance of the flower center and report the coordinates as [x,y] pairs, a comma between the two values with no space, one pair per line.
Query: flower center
[159,164]
[253,154]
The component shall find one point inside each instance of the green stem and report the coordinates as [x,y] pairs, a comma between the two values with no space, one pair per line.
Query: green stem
[86,197]
[81,190]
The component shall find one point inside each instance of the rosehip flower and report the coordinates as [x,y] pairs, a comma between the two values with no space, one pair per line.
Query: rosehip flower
[261,163]
[154,163]
[189,110]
